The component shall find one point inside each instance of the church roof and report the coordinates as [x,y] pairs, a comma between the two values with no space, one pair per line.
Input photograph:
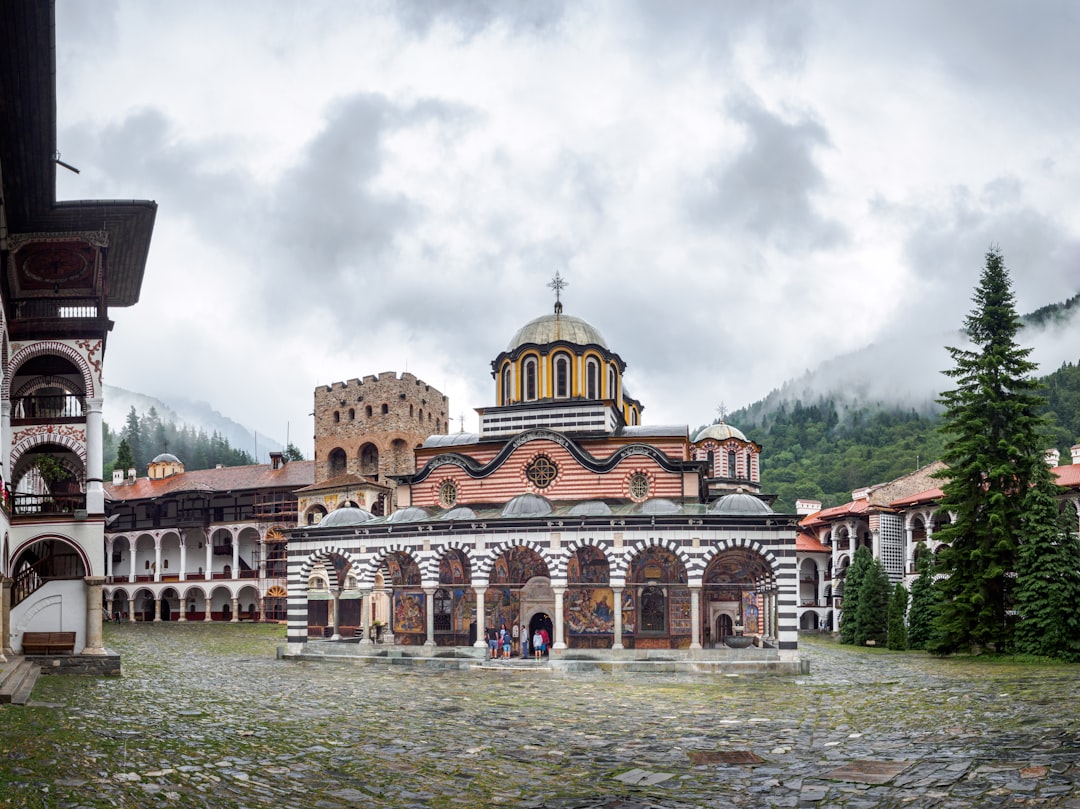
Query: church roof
[557,327]
[166,457]
[346,516]
[719,432]
[292,476]
[740,503]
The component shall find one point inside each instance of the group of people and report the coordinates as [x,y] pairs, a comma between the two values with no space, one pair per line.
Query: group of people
[501,641]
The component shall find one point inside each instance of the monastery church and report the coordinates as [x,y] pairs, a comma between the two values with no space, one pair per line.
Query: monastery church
[565,512]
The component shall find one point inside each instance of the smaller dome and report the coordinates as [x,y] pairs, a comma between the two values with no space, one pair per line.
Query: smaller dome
[658,505]
[166,457]
[552,328]
[460,513]
[345,516]
[408,514]
[740,504]
[719,432]
[590,508]
[527,505]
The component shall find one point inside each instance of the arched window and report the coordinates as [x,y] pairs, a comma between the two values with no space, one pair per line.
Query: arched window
[530,379]
[748,476]
[731,463]
[562,377]
[653,610]
[592,379]
[711,456]
[367,411]
[337,417]
[352,414]
[506,391]
[385,409]
[337,461]
[611,391]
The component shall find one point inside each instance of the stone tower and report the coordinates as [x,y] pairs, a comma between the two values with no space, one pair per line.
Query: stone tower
[370,427]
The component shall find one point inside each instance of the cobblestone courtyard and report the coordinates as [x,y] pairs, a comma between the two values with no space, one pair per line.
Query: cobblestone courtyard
[205,716]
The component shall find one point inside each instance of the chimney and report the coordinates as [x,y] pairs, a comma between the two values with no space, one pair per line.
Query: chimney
[117,477]
[1075,453]
[806,507]
[131,475]
[277,460]
[1052,457]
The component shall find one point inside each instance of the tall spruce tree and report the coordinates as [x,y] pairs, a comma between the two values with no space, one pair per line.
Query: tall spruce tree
[1048,576]
[872,611]
[993,448]
[924,601]
[860,565]
[898,604]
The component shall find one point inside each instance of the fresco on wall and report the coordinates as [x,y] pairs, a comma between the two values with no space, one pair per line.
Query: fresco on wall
[500,607]
[590,610]
[587,565]
[453,568]
[657,565]
[516,566]
[629,613]
[679,622]
[409,612]
[750,613]
[403,570]
[737,567]
[341,566]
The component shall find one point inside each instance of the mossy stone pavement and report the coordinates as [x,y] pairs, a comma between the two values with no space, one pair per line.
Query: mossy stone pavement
[206,716]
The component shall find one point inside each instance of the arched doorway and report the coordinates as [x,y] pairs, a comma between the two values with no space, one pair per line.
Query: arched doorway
[540,621]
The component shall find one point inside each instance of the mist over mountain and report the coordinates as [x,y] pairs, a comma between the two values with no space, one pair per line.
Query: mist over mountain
[189,413]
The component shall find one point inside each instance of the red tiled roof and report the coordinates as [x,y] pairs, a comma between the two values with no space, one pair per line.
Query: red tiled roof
[852,507]
[929,496]
[292,475]
[809,544]
[1068,475]
[342,482]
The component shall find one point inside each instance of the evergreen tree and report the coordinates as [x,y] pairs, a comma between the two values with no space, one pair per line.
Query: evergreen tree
[898,604]
[1048,577]
[993,447]
[132,433]
[124,459]
[856,572]
[293,453]
[924,601]
[872,611]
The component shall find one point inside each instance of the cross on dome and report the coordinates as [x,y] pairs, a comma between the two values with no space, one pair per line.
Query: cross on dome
[558,283]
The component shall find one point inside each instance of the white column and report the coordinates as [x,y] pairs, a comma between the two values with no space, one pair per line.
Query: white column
[183,557]
[236,610]
[108,558]
[235,555]
[481,641]
[207,617]
[131,610]
[93,615]
[95,492]
[429,614]
[365,616]
[157,557]
[558,641]
[183,610]
[157,609]
[209,557]
[617,639]
[132,545]
[695,617]
[334,596]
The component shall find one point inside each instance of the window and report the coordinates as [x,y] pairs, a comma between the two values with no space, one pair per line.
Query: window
[562,377]
[592,379]
[444,605]
[711,457]
[530,379]
[506,391]
[352,414]
[639,486]
[731,463]
[611,379]
[748,476]
[448,494]
[542,471]
[367,411]
[337,417]
[385,409]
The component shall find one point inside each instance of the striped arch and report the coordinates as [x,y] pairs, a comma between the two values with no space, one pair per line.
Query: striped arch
[77,547]
[28,442]
[622,564]
[377,562]
[483,567]
[58,348]
[429,569]
[575,546]
[739,545]
[322,555]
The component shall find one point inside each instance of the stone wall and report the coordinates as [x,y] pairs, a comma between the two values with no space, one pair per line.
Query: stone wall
[371,426]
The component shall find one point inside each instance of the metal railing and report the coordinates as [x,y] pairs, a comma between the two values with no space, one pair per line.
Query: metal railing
[46,505]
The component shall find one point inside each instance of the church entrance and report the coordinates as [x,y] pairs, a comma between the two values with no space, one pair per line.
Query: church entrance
[541,620]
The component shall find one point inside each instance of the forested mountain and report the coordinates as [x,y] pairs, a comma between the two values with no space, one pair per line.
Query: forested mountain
[825,449]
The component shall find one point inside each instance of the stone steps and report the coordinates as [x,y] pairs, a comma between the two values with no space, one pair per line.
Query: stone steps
[17,679]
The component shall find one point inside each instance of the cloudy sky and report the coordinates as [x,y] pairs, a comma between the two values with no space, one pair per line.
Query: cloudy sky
[735,191]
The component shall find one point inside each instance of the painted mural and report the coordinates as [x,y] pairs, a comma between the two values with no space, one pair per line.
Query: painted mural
[751,624]
[500,607]
[658,565]
[629,613]
[453,568]
[409,612]
[588,565]
[590,610]
[737,567]
[403,570]
[516,566]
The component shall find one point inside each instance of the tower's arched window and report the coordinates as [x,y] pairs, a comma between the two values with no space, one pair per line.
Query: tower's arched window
[712,464]
[731,463]
[611,379]
[506,391]
[592,379]
[562,377]
[530,379]
[748,466]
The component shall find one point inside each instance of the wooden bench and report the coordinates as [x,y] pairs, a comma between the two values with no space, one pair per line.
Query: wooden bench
[48,643]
